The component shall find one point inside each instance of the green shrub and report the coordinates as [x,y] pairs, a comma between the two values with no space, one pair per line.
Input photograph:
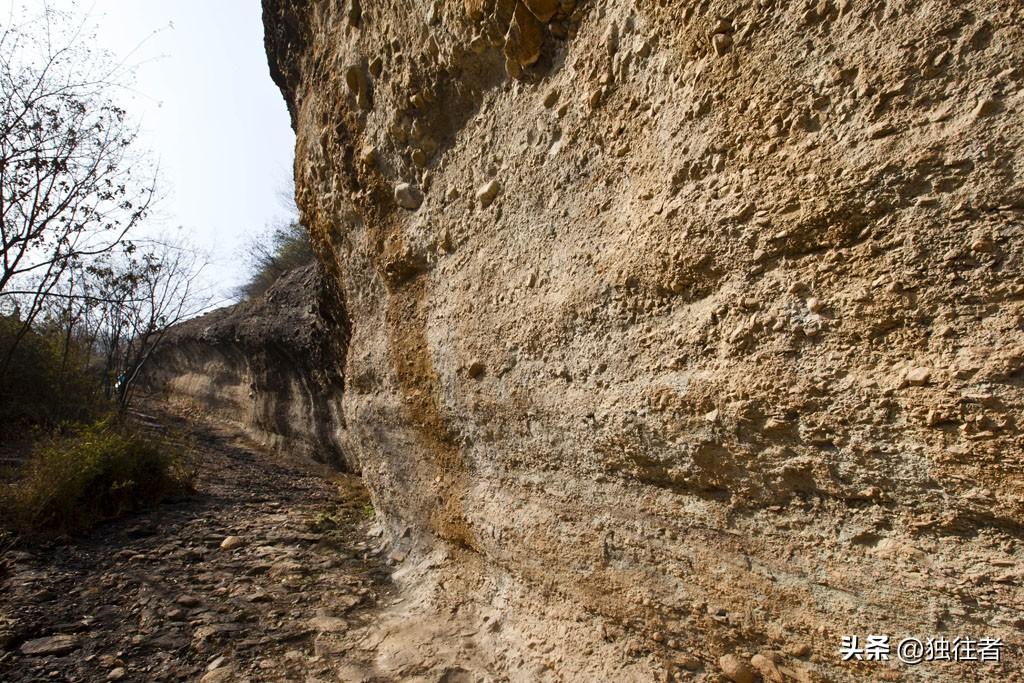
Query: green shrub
[44,383]
[95,473]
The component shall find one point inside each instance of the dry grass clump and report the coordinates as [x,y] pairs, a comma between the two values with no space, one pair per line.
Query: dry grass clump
[94,473]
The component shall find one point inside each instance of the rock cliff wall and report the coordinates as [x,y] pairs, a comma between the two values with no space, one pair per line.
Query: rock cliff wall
[690,334]
[269,365]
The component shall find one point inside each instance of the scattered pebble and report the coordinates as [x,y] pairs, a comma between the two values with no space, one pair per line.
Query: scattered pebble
[767,665]
[487,192]
[230,543]
[408,197]
[689,662]
[736,670]
[51,645]
[986,107]
[918,377]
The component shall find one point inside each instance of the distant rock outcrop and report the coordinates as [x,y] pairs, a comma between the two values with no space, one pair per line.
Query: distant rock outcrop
[271,365]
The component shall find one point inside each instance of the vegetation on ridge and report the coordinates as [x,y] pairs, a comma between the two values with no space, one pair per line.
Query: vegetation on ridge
[274,252]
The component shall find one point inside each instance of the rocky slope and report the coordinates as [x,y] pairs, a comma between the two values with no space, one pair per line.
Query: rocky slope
[690,333]
[265,574]
[268,365]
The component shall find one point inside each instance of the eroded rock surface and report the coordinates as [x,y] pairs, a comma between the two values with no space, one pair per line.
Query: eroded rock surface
[693,337]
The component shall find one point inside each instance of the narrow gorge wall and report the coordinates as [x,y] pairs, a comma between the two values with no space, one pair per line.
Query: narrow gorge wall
[687,330]
[268,365]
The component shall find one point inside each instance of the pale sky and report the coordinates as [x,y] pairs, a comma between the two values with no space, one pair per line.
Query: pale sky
[210,115]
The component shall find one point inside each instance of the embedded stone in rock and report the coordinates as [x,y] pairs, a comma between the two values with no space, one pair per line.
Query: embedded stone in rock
[524,38]
[722,42]
[487,192]
[611,39]
[368,154]
[882,130]
[918,377]
[986,107]
[408,197]
[542,9]
[982,245]
[51,645]
[476,369]
[724,25]
[359,84]
[404,266]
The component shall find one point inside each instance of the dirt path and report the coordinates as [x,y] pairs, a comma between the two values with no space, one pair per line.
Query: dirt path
[156,598]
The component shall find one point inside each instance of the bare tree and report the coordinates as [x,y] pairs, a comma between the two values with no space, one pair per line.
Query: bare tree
[167,292]
[69,179]
[127,302]
[107,318]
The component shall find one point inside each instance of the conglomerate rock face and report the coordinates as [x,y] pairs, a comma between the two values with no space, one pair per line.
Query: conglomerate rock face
[693,331]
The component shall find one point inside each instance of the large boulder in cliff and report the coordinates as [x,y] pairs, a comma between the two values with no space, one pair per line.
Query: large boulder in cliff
[734,358]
